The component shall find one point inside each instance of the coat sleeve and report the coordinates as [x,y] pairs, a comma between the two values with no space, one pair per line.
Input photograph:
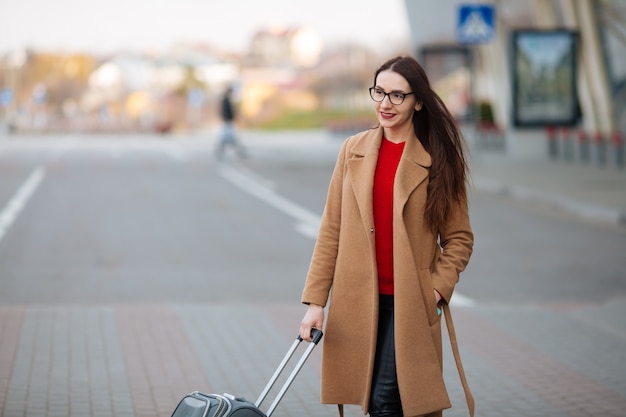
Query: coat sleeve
[457,241]
[322,267]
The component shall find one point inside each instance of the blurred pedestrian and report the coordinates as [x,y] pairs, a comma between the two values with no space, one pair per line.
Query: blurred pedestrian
[394,237]
[229,135]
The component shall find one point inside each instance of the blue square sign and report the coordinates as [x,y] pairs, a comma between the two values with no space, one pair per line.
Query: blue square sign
[476,23]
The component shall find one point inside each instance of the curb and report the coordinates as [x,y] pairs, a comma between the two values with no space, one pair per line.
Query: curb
[590,211]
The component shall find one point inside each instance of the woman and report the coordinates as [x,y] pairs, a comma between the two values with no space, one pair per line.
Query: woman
[394,237]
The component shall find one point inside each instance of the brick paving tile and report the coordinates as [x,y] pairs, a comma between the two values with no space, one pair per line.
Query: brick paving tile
[139,360]
[10,327]
[161,364]
[66,363]
[241,346]
[549,379]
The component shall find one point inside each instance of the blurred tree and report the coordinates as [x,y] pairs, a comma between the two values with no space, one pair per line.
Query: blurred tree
[190,82]
[65,77]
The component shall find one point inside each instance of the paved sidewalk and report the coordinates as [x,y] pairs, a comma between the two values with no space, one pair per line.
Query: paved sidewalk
[522,169]
[592,192]
[139,360]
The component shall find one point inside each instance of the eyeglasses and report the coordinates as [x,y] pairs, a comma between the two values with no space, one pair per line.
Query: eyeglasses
[394,97]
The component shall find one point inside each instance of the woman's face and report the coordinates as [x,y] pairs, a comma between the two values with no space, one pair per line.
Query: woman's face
[396,117]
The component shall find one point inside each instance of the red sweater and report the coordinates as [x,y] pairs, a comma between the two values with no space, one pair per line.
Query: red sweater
[388,160]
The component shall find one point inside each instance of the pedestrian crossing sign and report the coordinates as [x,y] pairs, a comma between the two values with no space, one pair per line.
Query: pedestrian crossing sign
[476,23]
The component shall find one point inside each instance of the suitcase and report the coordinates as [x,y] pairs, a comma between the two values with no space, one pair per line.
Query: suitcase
[197,404]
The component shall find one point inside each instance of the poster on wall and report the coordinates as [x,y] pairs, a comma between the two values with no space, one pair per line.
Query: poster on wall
[544,64]
[449,72]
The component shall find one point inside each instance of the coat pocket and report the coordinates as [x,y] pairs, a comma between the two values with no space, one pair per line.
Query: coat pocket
[428,294]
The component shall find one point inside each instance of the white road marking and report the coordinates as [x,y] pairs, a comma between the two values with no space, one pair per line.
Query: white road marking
[177,154]
[459,300]
[9,214]
[307,222]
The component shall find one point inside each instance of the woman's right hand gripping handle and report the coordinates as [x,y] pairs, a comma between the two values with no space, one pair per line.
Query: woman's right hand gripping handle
[314,317]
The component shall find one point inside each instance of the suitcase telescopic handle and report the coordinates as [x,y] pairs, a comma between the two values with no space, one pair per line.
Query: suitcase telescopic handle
[316,336]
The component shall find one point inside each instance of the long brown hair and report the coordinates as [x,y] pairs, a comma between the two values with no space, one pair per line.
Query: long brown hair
[438,132]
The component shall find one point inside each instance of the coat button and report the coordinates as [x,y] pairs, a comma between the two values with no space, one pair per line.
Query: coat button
[372,230]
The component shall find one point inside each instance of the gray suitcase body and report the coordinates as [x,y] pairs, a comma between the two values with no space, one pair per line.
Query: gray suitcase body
[197,404]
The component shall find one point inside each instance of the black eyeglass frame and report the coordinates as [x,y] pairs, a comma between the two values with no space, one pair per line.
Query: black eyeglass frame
[385,94]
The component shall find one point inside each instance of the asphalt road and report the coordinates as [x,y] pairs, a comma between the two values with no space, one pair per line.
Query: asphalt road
[172,224]
[140,220]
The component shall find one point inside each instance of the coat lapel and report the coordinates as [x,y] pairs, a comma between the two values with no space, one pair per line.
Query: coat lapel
[412,171]
[361,166]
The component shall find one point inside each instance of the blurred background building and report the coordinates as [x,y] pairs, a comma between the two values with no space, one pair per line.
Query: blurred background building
[512,67]
[286,75]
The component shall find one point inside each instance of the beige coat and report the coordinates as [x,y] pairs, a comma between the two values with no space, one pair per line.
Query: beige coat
[344,259]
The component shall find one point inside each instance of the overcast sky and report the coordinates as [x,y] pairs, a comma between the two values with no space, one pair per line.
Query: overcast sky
[108,25]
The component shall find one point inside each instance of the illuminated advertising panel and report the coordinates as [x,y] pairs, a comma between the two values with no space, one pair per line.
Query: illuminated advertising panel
[544,67]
